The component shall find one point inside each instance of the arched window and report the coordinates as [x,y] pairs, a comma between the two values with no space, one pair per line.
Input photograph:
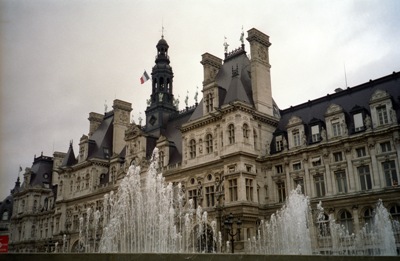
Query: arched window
[209,102]
[192,148]
[60,187]
[255,137]
[4,216]
[113,174]
[246,132]
[231,133]
[209,143]
[368,214]
[323,225]
[346,221]
[71,188]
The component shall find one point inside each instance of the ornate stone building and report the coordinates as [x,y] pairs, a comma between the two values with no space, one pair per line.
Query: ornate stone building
[234,152]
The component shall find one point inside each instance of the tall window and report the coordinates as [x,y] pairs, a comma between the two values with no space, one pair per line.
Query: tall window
[336,129]
[210,196]
[338,156]
[319,185]
[209,143]
[395,212]
[365,177]
[192,149]
[299,182]
[249,189]
[315,134]
[389,168]
[256,141]
[296,166]
[368,214]
[231,133]
[382,115]
[281,191]
[192,194]
[361,152]
[279,169]
[233,189]
[346,220]
[358,122]
[385,146]
[5,215]
[296,138]
[279,143]
[209,102]
[161,159]
[246,132]
[341,181]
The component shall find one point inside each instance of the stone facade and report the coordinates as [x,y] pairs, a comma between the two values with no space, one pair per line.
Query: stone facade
[233,152]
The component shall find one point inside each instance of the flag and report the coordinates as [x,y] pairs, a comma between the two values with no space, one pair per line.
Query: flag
[144,77]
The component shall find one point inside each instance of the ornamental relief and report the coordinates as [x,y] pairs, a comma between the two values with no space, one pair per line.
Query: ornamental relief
[333,108]
[294,120]
[379,95]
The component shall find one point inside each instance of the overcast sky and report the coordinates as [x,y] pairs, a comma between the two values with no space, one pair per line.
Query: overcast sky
[61,59]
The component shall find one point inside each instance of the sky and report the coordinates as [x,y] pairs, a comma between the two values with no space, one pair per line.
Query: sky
[62,59]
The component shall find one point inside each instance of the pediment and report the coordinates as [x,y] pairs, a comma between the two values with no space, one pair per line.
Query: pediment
[379,95]
[334,109]
[294,120]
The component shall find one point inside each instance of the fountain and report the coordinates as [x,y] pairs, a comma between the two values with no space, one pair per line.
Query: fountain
[146,215]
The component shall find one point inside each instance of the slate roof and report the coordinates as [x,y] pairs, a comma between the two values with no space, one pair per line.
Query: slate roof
[69,158]
[357,97]
[42,169]
[102,139]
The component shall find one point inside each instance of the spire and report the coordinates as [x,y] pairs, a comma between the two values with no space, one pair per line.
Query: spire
[69,159]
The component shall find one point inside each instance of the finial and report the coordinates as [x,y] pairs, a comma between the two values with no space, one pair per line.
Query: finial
[242,36]
[225,45]
[196,94]
[187,98]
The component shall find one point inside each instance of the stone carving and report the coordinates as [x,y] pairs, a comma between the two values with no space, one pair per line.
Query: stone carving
[367,122]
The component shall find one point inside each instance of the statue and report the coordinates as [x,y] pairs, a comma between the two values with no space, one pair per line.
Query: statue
[226,46]
[196,94]
[148,102]
[242,36]
[176,103]
[367,122]
[393,116]
[304,137]
[323,134]
[160,96]
[105,106]
[187,99]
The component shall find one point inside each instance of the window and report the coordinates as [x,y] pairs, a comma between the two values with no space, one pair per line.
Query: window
[382,115]
[319,185]
[192,194]
[5,215]
[249,189]
[210,196]
[209,143]
[161,162]
[361,152]
[385,146]
[299,182]
[395,212]
[358,122]
[316,161]
[389,168]
[368,214]
[281,191]
[231,133]
[296,166]
[315,134]
[336,130]
[279,169]
[256,141]
[296,138]
[192,149]
[346,221]
[338,156]
[279,143]
[341,181]
[323,225]
[246,132]
[365,177]
[233,189]
[209,102]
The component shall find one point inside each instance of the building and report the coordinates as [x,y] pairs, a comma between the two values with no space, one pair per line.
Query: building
[234,152]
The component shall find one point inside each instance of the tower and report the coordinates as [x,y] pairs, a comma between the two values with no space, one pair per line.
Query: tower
[260,71]
[161,102]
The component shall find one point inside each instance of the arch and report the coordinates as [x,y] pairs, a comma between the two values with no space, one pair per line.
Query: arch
[77,247]
[231,133]
[246,131]
[192,148]
[346,220]
[209,143]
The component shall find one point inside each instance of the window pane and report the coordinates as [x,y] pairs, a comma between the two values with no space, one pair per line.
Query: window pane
[358,122]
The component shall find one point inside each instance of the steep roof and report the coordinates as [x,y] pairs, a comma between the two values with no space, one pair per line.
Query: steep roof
[101,142]
[69,158]
[348,99]
[41,171]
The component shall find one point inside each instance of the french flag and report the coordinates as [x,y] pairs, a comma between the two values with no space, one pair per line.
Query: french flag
[144,77]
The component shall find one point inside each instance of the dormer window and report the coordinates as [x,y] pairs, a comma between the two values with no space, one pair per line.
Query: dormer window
[382,114]
[296,138]
[279,143]
[209,102]
[358,122]
[315,133]
[336,128]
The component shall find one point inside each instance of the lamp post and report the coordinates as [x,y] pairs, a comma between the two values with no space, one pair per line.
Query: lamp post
[229,227]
